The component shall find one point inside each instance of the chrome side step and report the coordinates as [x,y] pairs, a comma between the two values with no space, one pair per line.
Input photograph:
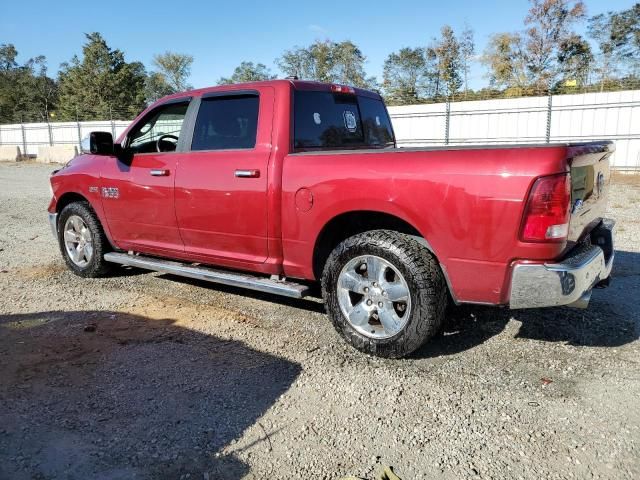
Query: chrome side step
[225,277]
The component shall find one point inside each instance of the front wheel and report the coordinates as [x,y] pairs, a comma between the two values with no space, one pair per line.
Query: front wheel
[82,240]
[385,292]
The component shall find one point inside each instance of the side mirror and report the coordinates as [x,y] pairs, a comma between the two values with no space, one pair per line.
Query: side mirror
[98,143]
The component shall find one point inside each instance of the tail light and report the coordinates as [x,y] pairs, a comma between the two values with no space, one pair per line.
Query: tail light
[546,216]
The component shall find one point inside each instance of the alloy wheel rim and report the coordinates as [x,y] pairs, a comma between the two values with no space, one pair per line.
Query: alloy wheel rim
[374,296]
[77,240]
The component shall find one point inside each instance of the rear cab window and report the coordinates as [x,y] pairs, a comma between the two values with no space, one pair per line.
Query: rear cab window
[326,120]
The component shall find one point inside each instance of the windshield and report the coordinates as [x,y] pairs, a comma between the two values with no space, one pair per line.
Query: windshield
[325,120]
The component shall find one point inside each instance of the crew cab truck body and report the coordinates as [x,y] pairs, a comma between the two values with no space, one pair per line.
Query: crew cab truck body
[276,185]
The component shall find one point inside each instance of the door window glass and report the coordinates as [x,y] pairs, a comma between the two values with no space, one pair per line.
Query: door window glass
[160,130]
[227,122]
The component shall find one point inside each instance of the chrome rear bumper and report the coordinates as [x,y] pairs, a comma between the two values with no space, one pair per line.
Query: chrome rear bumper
[569,281]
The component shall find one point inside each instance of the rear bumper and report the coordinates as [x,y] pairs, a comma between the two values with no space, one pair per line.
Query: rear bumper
[53,223]
[569,281]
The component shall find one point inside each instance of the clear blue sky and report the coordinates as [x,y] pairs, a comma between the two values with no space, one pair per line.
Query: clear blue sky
[221,34]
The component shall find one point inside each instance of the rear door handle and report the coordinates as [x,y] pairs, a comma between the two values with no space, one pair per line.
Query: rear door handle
[159,173]
[247,173]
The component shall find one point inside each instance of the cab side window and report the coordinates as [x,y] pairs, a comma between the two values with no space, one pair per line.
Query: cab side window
[160,130]
[226,122]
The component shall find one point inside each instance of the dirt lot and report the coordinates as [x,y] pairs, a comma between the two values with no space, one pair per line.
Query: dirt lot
[143,375]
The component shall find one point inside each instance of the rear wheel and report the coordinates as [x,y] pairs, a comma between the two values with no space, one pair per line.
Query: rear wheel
[82,240]
[385,292]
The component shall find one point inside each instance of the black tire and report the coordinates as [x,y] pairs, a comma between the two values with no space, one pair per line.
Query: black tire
[422,273]
[96,266]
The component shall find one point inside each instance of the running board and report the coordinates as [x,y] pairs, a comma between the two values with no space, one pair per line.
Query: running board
[225,277]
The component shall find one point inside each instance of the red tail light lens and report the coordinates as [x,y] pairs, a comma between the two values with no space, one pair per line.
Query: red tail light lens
[546,216]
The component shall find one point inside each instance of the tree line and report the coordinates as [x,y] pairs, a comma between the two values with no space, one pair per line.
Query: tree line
[545,56]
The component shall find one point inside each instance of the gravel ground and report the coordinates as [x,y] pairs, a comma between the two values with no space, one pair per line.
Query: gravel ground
[143,375]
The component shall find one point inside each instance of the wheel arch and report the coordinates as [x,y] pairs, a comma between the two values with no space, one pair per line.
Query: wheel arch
[347,224]
[68,198]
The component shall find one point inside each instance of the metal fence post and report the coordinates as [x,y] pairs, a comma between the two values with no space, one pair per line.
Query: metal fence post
[447,122]
[549,110]
[79,131]
[24,138]
[50,133]
[113,125]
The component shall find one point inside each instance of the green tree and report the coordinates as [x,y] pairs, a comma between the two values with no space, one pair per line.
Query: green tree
[348,65]
[549,24]
[433,84]
[404,76]
[321,61]
[449,60]
[600,29]
[314,62]
[175,68]
[505,58]
[575,60]
[42,91]
[296,63]
[627,35]
[101,83]
[544,54]
[248,72]
[327,61]
[10,93]
[467,51]
[617,35]
[8,55]
[156,87]
[26,92]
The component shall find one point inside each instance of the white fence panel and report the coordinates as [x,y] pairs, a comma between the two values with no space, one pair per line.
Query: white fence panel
[498,121]
[30,136]
[563,118]
[607,115]
[11,135]
[64,134]
[419,125]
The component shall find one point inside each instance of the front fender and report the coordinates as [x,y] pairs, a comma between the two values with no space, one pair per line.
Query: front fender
[79,181]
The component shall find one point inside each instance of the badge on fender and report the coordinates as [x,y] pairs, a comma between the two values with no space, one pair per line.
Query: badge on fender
[110,192]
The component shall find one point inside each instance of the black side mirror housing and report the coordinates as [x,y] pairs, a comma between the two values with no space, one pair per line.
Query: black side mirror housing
[101,143]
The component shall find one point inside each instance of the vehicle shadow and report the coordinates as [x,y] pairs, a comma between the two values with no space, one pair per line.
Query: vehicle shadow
[99,395]
[465,327]
[612,319]
[312,304]
[125,271]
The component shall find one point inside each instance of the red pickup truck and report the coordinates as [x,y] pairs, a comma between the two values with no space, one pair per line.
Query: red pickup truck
[277,186]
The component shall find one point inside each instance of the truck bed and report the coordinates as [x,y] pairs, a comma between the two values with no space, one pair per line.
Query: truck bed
[467,202]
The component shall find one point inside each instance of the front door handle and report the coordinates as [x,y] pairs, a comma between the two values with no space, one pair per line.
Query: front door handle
[247,173]
[159,173]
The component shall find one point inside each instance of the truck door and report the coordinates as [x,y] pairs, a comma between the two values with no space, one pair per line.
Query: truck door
[221,186]
[137,188]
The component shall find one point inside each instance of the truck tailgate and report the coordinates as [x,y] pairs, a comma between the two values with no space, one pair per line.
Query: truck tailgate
[590,178]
